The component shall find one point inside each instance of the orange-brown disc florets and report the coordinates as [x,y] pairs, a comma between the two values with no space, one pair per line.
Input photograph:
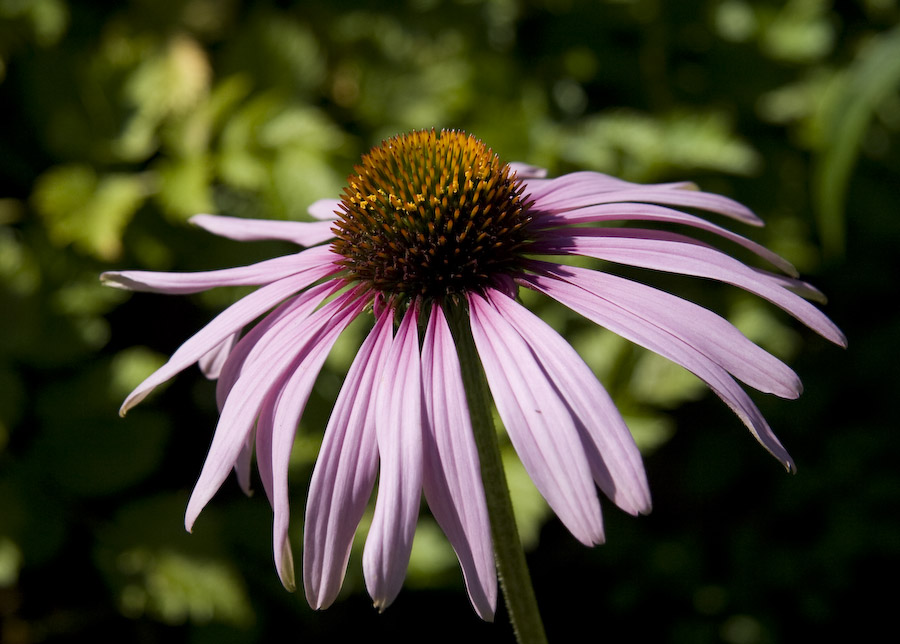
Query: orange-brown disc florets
[431,214]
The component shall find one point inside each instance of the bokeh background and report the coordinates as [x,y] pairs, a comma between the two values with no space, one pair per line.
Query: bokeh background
[122,119]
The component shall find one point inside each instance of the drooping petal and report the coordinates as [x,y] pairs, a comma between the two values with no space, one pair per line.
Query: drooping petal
[710,334]
[273,364]
[612,453]
[212,362]
[288,409]
[265,272]
[649,336]
[228,322]
[654,213]
[679,254]
[452,479]
[291,312]
[302,233]
[538,422]
[345,470]
[398,427]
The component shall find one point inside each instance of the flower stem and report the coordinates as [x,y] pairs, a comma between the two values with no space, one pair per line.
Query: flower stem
[510,557]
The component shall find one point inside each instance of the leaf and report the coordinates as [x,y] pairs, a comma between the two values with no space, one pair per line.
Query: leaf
[86,210]
[870,79]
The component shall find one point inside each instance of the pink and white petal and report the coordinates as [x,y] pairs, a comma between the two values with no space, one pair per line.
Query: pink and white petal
[225,324]
[289,408]
[614,458]
[538,422]
[712,335]
[398,427]
[678,254]
[452,478]
[659,195]
[263,373]
[654,213]
[302,233]
[586,183]
[527,171]
[289,313]
[212,362]
[649,336]
[265,272]
[236,423]
[325,209]
[582,189]
[345,470]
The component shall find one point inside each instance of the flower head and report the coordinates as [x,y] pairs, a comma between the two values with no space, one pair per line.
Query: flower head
[432,226]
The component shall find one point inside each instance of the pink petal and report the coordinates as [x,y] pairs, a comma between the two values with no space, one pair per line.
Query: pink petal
[289,408]
[648,335]
[526,171]
[325,209]
[345,470]
[712,335]
[228,322]
[212,362]
[452,480]
[291,312]
[650,194]
[398,427]
[678,254]
[273,363]
[264,272]
[650,212]
[538,422]
[612,454]
[302,233]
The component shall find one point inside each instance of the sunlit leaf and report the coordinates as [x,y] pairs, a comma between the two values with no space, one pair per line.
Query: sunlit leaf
[86,210]
[872,76]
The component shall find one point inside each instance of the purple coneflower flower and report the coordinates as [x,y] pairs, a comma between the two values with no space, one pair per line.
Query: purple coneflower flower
[433,228]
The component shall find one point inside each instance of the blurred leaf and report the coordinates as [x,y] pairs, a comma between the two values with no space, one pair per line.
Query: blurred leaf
[177,588]
[159,570]
[642,147]
[170,83]
[85,210]
[10,562]
[873,75]
[184,188]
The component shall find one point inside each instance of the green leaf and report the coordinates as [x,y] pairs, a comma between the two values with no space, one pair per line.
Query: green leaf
[870,79]
[85,210]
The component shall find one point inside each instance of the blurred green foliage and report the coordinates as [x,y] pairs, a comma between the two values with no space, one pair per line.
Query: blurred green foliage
[123,119]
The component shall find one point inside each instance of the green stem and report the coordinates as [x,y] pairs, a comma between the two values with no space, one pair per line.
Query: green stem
[512,569]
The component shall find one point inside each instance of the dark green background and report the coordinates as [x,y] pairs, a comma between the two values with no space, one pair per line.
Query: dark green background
[121,119]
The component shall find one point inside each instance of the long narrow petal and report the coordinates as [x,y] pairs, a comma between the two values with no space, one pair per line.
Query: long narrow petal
[612,453]
[654,213]
[712,335]
[345,470]
[245,399]
[288,411]
[398,427]
[292,311]
[538,423]
[212,362]
[264,272]
[581,189]
[648,335]
[679,254]
[302,233]
[452,480]
[228,322]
